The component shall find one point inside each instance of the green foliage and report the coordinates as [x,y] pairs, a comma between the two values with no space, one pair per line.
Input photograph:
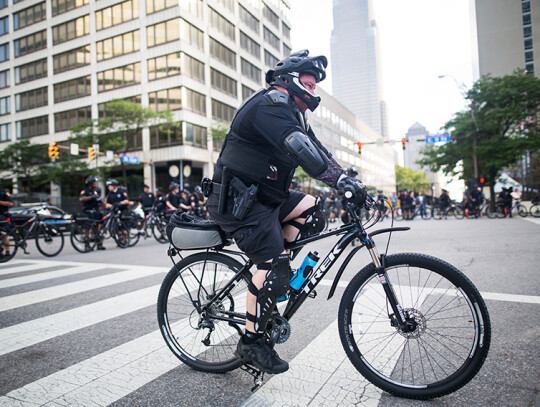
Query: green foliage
[490,128]
[219,131]
[26,161]
[412,180]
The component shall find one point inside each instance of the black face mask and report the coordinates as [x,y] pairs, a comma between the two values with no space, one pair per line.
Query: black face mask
[292,83]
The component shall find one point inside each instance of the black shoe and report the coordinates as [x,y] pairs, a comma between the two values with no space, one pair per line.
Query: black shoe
[101,247]
[261,355]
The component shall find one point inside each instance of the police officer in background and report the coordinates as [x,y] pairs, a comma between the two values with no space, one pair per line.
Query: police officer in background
[116,195]
[5,204]
[174,199]
[146,199]
[269,137]
[91,199]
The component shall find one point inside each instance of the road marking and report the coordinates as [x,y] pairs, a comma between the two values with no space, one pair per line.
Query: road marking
[50,293]
[527,299]
[34,278]
[533,220]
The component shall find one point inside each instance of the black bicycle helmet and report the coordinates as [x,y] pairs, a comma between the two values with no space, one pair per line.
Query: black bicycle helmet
[90,180]
[287,73]
[351,172]
[112,183]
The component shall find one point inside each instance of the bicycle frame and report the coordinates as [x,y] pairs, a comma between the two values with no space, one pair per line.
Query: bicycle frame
[352,231]
[21,239]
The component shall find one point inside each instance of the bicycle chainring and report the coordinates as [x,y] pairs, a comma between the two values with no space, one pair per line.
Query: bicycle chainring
[281,330]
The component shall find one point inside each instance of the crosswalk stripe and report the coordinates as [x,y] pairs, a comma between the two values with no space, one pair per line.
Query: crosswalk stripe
[34,278]
[45,294]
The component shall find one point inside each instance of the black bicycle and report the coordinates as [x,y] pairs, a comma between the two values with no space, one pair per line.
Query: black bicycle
[13,235]
[411,324]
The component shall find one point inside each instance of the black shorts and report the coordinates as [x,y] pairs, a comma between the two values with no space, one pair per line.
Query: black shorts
[260,234]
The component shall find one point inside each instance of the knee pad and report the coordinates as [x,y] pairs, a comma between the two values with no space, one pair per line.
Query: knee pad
[315,221]
[275,285]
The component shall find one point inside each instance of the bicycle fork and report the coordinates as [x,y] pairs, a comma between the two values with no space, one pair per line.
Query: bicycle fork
[398,318]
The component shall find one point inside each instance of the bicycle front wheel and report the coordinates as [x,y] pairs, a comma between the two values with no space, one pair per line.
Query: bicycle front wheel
[535,210]
[159,230]
[83,236]
[49,241]
[120,232]
[8,244]
[193,333]
[451,327]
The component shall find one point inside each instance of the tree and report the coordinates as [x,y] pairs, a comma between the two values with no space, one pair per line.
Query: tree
[26,161]
[494,132]
[123,121]
[218,132]
[411,180]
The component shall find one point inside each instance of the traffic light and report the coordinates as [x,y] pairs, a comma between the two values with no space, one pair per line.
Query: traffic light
[481,181]
[359,147]
[91,154]
[54,153]
[403,143]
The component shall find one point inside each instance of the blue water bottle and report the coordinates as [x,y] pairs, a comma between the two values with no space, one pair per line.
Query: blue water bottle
[305,269]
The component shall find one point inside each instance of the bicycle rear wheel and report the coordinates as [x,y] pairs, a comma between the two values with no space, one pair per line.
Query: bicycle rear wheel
[49,241]
[451,335]
[120,232]
[522,211]
[159,230]
[535,211]
[83,236]
[197,339]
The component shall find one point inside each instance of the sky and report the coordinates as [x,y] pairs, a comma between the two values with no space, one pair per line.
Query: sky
[419,40]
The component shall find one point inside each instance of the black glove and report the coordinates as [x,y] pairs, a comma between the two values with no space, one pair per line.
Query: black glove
[352,189]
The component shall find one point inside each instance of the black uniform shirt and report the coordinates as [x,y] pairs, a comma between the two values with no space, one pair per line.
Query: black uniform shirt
[174,199]
[115,197]
[4,196]
[92,203]
[147,200]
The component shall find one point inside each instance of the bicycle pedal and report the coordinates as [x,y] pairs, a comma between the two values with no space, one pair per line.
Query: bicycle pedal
[312,294]
[258,376]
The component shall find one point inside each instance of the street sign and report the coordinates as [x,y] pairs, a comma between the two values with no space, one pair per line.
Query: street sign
[74,149]
[130,159]
[436,138]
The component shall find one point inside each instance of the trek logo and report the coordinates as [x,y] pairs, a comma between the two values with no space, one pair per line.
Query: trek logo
[322,269]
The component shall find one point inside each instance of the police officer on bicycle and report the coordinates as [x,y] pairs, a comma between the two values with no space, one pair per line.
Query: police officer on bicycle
[147,199]
[92,201]
[249,194]
[5,204]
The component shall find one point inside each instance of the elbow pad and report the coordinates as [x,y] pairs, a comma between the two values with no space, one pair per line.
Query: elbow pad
[303,150]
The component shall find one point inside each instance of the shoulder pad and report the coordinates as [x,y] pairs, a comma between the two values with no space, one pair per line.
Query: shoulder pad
[278,96]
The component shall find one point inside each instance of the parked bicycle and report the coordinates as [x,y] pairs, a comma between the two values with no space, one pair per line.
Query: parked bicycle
[501,210]
[151,224]
[49,240]
[424,213]
[410,323]
[452,210]
[534,210]
[86,233]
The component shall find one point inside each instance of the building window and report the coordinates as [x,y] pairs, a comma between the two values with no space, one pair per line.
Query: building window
[166,99]
[5,105]
[246,92]
[251,71]
[193,67]
[228,4]
[530,69]
[527,32]
[69,119]
[4,3]
[162,33]
[249,19]
[221,24]
[4,25]
[271,16]
[4,79]
[36,126]
[163,66]
[248,44]
[29,16]
[222,53]
[195,7]
[119,77]
[221,111]
[195,101]
[286,30]
[30,43]
[223,83]
[71,29]
[196,135]
[525,6]
[286,50]
[62,6]
[160,137]
[192,35]
[269,59]
[271,38]
[4,52]
[31,71]
[120,45]
[73,89]
[153,6]
[527,19]
[5,132]
[117,14]
[31,99]
[102,114]
[71,59]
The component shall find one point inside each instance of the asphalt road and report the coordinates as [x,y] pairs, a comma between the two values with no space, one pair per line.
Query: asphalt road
[81,329]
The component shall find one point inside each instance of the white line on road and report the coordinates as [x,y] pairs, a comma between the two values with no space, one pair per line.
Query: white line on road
[533,220]
[12,282]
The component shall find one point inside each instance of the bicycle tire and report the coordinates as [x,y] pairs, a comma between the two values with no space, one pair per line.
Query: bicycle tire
[443,295]
[398,214]
[159,230]
[49,241]
[120,232]
[534,211]
[459,213]
[83,236]
[522,211]
[181,324]
[13,247]
[438,213]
